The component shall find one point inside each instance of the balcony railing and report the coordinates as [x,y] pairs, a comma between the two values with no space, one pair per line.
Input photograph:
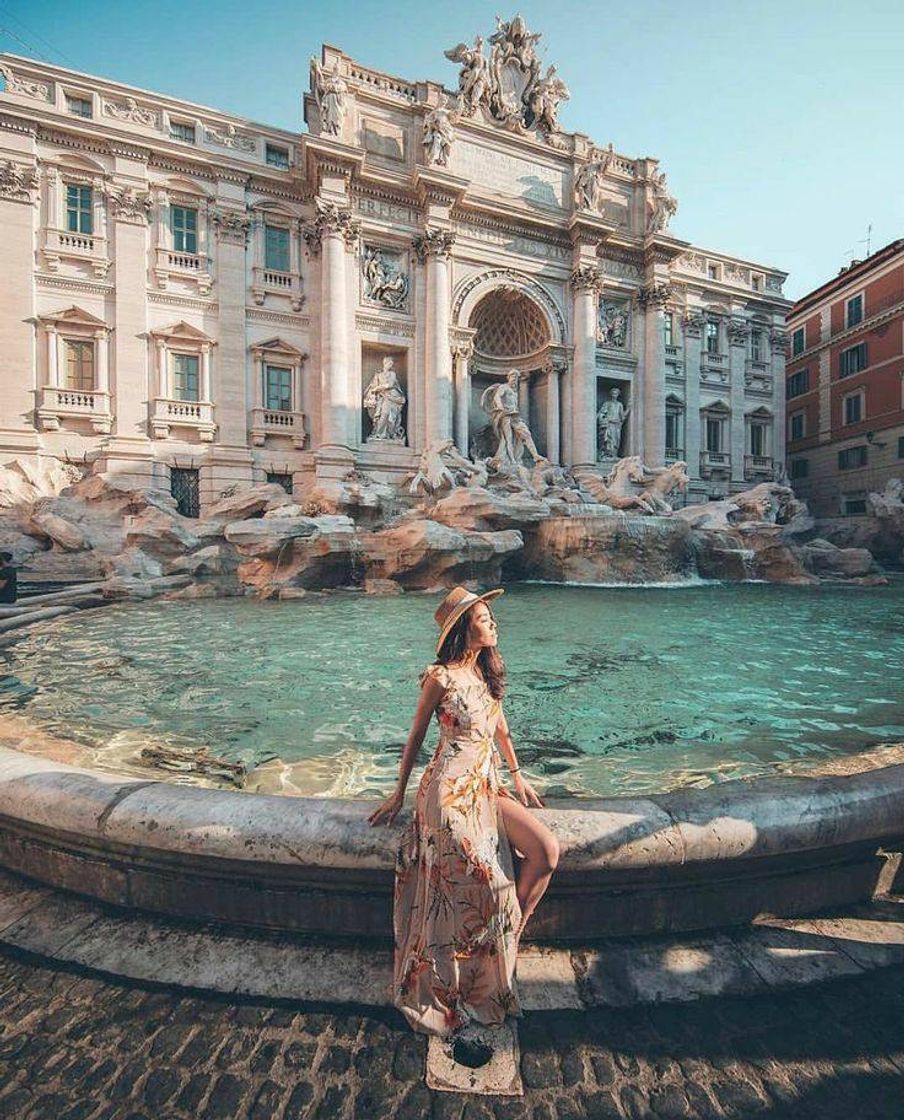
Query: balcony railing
[185,266]
[169,412]
[56,405]
[62,244]
[277,422]
[758,466]
[268,280]
[714,462]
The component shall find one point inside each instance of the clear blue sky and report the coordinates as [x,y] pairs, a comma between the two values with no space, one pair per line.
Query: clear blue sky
[778,122]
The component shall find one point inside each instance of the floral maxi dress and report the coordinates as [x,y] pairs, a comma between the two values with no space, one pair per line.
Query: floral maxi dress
[456,910]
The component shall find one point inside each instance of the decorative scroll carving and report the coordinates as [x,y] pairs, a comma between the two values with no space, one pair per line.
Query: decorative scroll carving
[738,332]
[15,83]
[330,92]
[330,218]
[778,340]
[18,181]
[693,262]
[438,135]
[586,276]
[663,205]
[613,323]
[434,243]
[230,137]
[131,111]
[654,295]
[508,86]
[231,225]
[128,204]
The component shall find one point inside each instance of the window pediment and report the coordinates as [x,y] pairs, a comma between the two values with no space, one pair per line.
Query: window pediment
[182,332]
[278,347]
[73,317]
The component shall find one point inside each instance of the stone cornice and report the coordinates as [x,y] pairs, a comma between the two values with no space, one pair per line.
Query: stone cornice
[24,125]
[400,328]
[171,300]
[73,283]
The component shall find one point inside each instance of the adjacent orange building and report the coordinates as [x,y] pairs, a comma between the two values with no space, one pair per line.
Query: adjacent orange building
[845,385]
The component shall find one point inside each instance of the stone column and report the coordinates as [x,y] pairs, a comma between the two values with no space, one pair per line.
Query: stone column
[258,374]
[434,248]
[231,405]
[653,299]
[462,353]
[18,213]
[586,281]
[778,342]
[566,411]
[53,358]
[693,353]
[102,376]
[332,235]
[205,372]
[552,412]
[163,388]
[738,333]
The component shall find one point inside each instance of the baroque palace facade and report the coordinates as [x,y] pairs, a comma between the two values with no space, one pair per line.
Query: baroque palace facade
[185,293]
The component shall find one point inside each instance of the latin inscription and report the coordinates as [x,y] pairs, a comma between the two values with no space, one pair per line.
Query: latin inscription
[509,175]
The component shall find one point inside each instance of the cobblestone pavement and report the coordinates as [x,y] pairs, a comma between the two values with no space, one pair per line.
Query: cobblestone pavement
[75,1046]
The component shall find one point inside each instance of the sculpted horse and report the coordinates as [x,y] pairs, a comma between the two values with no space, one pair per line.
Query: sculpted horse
[633,485]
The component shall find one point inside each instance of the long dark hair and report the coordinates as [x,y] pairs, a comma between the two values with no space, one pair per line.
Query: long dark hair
[489,659]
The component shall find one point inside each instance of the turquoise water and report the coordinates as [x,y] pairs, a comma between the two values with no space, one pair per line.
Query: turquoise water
[627,690]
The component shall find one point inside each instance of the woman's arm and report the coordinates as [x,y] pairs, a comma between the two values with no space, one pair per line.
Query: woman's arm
[431,694]
[527,795]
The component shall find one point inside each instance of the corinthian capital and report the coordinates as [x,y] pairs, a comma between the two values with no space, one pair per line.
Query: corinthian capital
[331,218]
[232,225]
[18,181]
[586,276]
[738,332]
[654,295]
[434,242]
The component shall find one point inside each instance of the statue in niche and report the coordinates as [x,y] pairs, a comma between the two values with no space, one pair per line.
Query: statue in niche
[384,401]
[663,206]
[438,135]
[500,402]
[474,79]
[384,282]
[613,324]
[588,183]
[610,420]
[329,91]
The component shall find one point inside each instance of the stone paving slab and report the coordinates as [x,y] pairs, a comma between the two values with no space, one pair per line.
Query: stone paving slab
[500,1077]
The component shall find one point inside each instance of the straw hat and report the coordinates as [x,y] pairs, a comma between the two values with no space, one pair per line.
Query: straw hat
[454,606]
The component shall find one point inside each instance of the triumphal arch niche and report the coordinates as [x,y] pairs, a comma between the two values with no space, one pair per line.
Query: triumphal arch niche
[513,243]
[244,302]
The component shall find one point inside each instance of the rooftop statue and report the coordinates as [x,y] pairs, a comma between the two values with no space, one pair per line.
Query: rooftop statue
[330,92]
[438,135]
[663,205]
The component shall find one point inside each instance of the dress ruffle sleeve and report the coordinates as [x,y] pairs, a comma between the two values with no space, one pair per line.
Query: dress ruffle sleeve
[438,673]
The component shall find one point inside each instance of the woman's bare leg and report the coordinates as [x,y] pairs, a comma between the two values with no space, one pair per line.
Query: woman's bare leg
[540,850]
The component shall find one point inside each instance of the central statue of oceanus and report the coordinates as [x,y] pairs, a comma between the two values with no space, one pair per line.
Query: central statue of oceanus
[500,403]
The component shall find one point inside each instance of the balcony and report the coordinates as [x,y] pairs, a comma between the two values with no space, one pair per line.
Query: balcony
[674,455]
[276,422]
[756,365]
[169,413]
[715,464]
[266,281]
[193,267]
[57,405]
[62,245]
[758,467]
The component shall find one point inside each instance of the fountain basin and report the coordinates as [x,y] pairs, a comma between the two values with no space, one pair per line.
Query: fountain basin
[686,860]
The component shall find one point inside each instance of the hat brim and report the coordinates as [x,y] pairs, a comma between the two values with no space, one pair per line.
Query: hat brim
[456,614]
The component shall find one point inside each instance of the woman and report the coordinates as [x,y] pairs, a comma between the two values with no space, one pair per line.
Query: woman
[458,913]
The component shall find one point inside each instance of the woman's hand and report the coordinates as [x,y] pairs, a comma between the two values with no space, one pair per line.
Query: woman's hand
[526,793]
[386,813]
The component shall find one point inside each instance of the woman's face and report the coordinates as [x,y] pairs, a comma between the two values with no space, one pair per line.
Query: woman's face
[482,629]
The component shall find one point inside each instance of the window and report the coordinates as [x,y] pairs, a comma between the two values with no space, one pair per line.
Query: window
[78,106]
[853,503]
[276,249]
[181,131]
[185,229]
[668,328]
[853,360]
[281,478]
[797,341]
[800,468]
[80,366]
[185,377]
[757,439]
[853,408]
[797,425]
[901,447]
[713,435]
[278,157]
[712,271]
[756,346]
[853,311]
[673,432]
[278,395]
[756,282]
[798,383]
[78,209]
[852,457]
[712,336]
[184,488]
